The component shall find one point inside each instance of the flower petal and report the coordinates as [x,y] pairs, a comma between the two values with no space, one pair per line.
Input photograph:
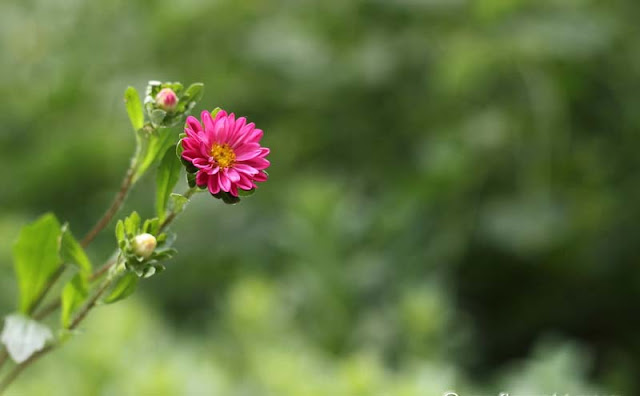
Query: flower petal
[233,175]
[202,178]
[260,177]
[214,185]
[193,124]
[225,183]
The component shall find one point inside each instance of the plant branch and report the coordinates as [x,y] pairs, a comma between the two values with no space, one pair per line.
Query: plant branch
[4,355]
[127,182]
[15,372]
[47,310]
[91,303]
[102,270]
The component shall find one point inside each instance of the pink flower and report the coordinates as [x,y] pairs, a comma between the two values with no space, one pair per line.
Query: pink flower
[226,152]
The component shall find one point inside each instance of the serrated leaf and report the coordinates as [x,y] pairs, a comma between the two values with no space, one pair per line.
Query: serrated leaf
[23,337]
[134,108]
[123,288]
[166,179]
[36,258]
[74,293]
[72,252]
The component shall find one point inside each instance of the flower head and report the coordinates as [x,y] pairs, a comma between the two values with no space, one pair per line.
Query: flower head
[226,152]
[166,99]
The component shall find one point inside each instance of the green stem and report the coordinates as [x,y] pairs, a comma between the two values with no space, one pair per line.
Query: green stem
[92,302]
[17,370]
[102,270]
[4,355]
[47,310]
[127,182]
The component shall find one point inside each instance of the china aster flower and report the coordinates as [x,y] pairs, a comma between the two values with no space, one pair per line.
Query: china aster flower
[226,151]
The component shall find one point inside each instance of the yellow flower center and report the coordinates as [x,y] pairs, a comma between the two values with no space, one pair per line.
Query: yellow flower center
[223,154]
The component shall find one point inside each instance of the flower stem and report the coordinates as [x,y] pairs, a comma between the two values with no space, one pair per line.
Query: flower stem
[102,270]
[47,310]
[13,374]
[92,302]
[127,182]
[3,356]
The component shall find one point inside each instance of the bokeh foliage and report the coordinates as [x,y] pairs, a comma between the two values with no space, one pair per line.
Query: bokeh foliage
[453,201]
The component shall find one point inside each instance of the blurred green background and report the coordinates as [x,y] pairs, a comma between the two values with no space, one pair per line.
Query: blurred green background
[453,202]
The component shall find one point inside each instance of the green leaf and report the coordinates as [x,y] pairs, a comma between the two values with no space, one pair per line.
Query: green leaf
[157,116]
[176,87]
[214,112]
[72,252]
[164,254]
[246,193]
[194,93]
[151,226]
[166,179]
[74,294]
[157,145]
[178,201]
[179,149]
[191,179]
[120,231]
[131,224]
[124,287]
[36,258]
[134,108]
[227,198]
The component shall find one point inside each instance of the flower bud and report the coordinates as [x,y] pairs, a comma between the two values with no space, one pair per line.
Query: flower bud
[144,245]
[166,99]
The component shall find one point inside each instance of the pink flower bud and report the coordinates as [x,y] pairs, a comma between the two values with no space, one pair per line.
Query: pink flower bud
[166,99]
[144,245]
